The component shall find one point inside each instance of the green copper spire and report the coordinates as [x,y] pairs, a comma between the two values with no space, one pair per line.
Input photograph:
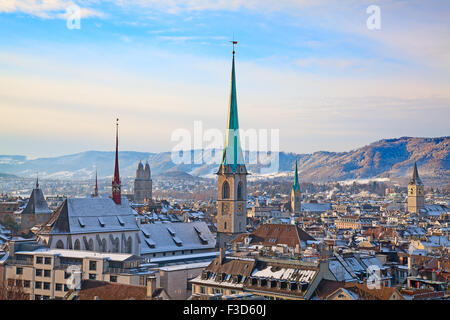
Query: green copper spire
[296,185]
[232,152]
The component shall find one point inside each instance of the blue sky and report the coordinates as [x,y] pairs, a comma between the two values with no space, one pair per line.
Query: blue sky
[311,69]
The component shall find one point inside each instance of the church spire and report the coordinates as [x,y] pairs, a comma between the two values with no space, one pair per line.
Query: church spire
[232,152]
[296,185]
[96,184]
[116,195]
[37,181]
[415,177]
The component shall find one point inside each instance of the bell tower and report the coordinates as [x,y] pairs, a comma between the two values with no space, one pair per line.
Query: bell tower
[416,193]
[232,177]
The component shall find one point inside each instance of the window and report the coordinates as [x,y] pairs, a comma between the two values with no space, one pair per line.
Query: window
[46,285]
[48,260]
[66,275]
[19,270]
[77,245]
[240,191]
[58,287]
[37,297]
[47,273]
[113,278]
[92,265]
[38,272]
[38,285]
[225,190]
[59,245]
[26,284]
[92,276]
[202,289]
[39,260]
[66,288]
[45,297]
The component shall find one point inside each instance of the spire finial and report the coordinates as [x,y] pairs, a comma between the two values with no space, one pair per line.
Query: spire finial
[234,43]
[37,179]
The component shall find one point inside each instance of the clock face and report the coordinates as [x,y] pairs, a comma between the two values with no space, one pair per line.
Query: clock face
[225,208]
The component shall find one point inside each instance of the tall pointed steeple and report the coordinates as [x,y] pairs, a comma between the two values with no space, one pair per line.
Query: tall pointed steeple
[116,194]
[232,177]
[37,181]
[96,184]
[296,185]
[415,177]
[232,152]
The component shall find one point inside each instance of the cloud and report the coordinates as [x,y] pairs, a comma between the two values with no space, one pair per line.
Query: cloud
[48,9]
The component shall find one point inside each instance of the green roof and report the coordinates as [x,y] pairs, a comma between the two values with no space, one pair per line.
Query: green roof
[232,152]
[296,185]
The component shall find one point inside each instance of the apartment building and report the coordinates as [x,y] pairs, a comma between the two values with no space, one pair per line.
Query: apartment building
[50,273]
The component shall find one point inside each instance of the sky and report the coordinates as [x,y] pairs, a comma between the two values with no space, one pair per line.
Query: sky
[311,69]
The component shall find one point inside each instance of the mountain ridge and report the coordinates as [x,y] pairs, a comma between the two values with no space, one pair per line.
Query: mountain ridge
[387,158]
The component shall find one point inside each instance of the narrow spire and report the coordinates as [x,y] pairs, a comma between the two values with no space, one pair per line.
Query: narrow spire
[296,185]
[116,195]
[37,180]
[96,184]
[232,153]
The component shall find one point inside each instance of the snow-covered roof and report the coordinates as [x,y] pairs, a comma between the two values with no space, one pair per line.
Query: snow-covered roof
[281,273]
[175,237]
[92,215]
[78,254]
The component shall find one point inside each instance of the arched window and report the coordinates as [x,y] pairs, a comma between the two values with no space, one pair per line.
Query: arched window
[116,245]
[103,248]
[240,191]
[59,244]
[77,245]
[225,225]
[225,190]
[91,245]
[129,245]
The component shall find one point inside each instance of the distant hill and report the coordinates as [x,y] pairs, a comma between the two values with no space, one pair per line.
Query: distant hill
[390,158]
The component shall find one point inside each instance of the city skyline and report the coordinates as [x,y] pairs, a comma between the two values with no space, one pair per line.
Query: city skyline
[161,66]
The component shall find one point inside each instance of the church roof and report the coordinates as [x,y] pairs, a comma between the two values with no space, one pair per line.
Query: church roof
[232,152]
[37,204]
[415,177]
[91,215]
[175,237]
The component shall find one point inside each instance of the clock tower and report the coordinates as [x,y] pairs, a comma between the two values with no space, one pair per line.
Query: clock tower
[416,194]
[232,178]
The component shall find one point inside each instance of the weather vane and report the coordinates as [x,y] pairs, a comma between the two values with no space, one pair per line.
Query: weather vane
[234,43]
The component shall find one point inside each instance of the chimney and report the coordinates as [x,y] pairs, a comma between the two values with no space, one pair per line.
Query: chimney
[151,286]
[221,255]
